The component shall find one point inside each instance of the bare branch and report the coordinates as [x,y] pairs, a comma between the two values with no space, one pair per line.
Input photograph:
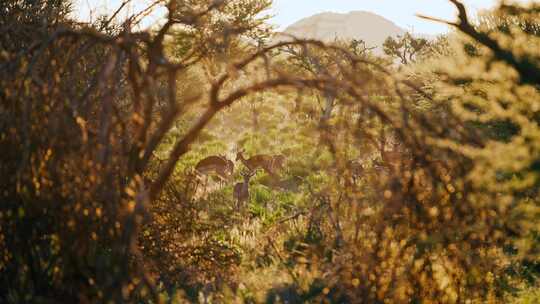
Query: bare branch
[528,71]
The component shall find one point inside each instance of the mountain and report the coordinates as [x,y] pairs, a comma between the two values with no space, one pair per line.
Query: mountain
[371,28]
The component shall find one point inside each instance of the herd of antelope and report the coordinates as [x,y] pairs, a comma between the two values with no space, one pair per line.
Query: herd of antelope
[223,168]
[392,161]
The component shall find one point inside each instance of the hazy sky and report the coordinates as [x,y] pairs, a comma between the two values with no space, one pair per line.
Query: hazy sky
[401,12]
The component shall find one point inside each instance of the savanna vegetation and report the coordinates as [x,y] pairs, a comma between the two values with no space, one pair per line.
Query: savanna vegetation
[204,160]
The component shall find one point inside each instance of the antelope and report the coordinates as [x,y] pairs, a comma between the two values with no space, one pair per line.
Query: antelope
[356,169]
[241,190]
[219,165]
[395,160]
[278,161]
[266,162]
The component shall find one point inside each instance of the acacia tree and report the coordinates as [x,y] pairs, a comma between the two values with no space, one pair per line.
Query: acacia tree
[406,48]
[316,61]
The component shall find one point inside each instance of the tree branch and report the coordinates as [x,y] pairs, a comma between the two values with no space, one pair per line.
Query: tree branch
[529,73]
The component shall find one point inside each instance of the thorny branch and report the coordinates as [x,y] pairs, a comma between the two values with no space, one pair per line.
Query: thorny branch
[528,71]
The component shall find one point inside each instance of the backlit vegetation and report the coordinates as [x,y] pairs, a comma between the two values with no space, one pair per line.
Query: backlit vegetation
[202,160]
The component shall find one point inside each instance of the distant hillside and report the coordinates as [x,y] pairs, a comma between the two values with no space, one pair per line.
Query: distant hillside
[371,28]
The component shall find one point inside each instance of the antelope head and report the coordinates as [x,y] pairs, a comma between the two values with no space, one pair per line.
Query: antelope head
[239,154]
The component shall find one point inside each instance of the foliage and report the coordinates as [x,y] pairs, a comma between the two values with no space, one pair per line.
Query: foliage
[83,111]
[406,48]
[409,184]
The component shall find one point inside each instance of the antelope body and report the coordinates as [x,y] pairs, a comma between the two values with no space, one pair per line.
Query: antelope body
[356,169]
[218,165]
[278,161]
[241,190]
[396,160]
[268,163]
